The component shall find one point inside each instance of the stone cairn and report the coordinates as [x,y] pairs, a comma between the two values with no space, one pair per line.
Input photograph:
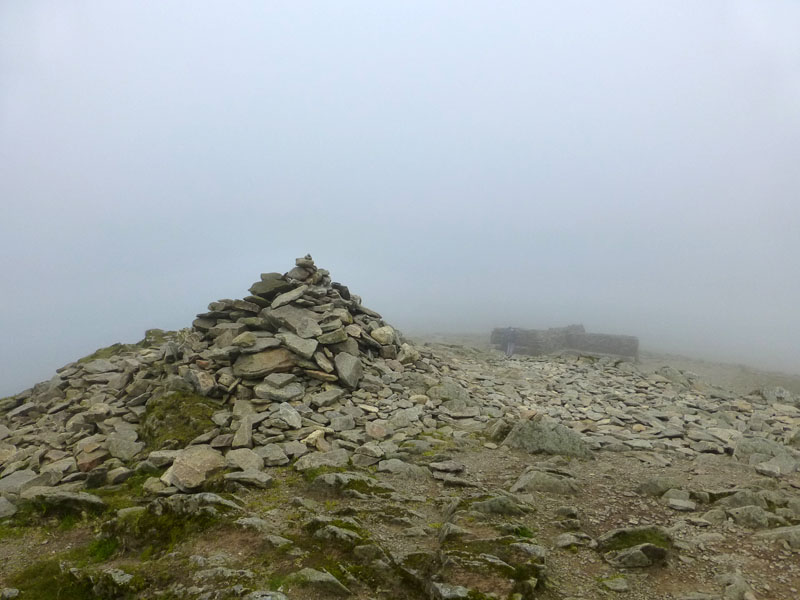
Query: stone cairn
[296,369]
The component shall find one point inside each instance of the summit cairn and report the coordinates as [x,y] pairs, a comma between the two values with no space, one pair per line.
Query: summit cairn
[294,330]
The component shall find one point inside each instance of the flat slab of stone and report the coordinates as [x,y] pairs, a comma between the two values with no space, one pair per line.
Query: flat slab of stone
[13,483]
[334,458]
[63,500]
[299,321]
[300,346]
[250,478]
[122,448]
[791,535]
[260,364]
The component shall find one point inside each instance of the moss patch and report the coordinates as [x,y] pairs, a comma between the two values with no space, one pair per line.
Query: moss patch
[153,533]
[635,537]
[45,580]
[175,419]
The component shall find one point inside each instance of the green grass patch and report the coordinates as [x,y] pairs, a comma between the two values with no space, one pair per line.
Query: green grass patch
[177,418]
[103,549]
[311,474]
[45,580]
[522,531]
[637,536]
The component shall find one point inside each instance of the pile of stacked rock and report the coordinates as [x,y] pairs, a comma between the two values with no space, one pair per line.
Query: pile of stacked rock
[297,370]
[299,323]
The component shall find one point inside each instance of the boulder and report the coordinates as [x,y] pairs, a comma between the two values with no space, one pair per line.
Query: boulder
[546,436]
[349,369]
[193,466]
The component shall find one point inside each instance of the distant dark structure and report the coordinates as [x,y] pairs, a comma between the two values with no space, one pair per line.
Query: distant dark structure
[535,342]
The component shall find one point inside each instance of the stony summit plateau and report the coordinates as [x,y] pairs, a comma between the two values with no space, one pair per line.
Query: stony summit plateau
[294,445]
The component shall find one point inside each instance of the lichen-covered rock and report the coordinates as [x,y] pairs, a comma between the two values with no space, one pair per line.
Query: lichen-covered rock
[319,580]
[547,436]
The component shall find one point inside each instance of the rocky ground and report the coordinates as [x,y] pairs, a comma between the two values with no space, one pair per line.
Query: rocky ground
[293,445]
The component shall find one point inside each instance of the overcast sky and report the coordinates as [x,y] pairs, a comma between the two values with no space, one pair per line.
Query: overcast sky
[633,166]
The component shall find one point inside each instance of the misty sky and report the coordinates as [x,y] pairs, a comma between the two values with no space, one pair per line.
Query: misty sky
[634,166]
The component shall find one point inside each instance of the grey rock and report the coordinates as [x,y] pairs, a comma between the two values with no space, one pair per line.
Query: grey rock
[100,365]
[343,423]
[244,459]
[327,397]
[118,475]
[349,369]
[338,535]
[279,380]
[243,438]
[301,322]
[337,336]
[293,391]
[448,390]
[616,584]
[122,448]
[378,429]
[547,436]
[301,346]
[383,335]
[271,285]
[273,455]
[16,481]
[657,486]
[448,466]
[790,535]
[319,580]
[63,500]
[202,381]
[250,477]
[642,555]
[260,364]
[289,415]
[6,508]
[753,517]
[680,504]
[334,458]
[193,466]
[499,505]
[288,297]
[550,483]
[162,458]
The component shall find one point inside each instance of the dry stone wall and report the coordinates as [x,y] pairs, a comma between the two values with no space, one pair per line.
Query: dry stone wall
[535,342]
